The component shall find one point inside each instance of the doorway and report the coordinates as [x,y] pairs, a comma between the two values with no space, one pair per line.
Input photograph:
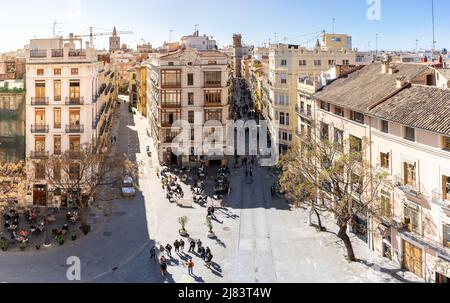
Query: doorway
[412,258]
[40,195]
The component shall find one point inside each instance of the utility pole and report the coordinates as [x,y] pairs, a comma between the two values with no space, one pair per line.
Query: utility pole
[376,42]
[417,46]
[334,20]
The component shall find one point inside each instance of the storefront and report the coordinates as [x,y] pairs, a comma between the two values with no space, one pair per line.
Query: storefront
[442,271]
[40,195]
[413,258]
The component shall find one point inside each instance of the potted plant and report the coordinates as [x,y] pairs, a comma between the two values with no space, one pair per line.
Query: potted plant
[183,221]
[4,244]
[23,246]
[60,239]
[209,224]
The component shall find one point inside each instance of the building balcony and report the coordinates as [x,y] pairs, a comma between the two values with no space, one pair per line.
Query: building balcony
[438,198]
[74,129]
[39,155]
[303,113]
[213,85]
[38,53]
[410,188]
[170,105]
[75,154]
[57,53]
[75,101]
[39,129]
[213,104]
[39,101]
[171,85]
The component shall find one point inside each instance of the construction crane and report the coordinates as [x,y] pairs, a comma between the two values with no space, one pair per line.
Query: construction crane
[92,34]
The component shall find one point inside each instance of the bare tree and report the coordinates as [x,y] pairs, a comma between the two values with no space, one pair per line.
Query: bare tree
[12,182]
[334,177]
[89,178]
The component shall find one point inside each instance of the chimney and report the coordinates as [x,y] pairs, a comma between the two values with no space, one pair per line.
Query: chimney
[385,63]
[392,70]
[401,81]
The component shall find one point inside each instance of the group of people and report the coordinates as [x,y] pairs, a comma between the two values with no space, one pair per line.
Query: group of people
[222,182]
[179,245]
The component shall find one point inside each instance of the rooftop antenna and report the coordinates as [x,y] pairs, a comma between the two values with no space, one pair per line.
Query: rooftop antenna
[275,35]
[376,42]
[334,20]
[196,27]
[417,46]
[432,17]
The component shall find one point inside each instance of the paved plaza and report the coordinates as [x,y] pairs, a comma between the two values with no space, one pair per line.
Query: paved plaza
[259,238]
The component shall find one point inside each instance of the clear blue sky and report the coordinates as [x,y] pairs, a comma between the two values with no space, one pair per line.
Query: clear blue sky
[401,23]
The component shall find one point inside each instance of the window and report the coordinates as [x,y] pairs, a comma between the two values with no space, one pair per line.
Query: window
[282,119]
[39,171]
[345,62]
[190,98]
[39,144]
[74,71]
[386,204]
[283,62]
[74,91]
[384,160]
[40,72]
[317,62]
[57,170]
[215,115]
[40,90]
[411,218]
[356,146]
[446,143]
[57,118]
[358,117]
[339,111]
[385,126]
[447,235]
[171,78]
[302,62]
[213,97]
[357,184]
[410,133]
[190,79]
[170,98]
[57,145]
[57,90]
[168,117]
[192,134]
[74,171]
[287,120]
[410,174]
[57,72]
[283,78]
[330,62]
[325,106]
[74,117]
[213,79]
[191,117]
[308,110]
[171,64]
[324,132]
[39,117]
[284,136]
[446,188]
[339,139]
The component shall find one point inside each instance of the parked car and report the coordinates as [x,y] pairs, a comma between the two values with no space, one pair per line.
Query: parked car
[128,190]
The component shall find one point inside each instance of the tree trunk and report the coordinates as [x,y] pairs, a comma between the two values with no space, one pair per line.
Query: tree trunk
[348,244]
[319,220]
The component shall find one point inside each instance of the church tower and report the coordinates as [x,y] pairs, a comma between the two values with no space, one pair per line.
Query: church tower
[114,41]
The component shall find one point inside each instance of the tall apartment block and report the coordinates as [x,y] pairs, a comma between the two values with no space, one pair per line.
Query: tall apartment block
[69,103]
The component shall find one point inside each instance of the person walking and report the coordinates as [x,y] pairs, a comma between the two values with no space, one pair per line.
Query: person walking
[190,265]
[182,245]
[161,249]
[202,253]
[192,246]
[163,266]
[169,250]
[176,244]
[207,251]
[199,246]
[153,253]
[208,260]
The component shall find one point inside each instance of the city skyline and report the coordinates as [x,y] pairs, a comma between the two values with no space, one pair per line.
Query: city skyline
[399,24]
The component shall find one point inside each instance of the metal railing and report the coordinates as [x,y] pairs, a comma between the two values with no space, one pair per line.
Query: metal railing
[74,101]
[39,101]
[74,129]
[39,155]
[438,197]
[411,188]
[39,129]
[38,53]
[77,53]
[57,53]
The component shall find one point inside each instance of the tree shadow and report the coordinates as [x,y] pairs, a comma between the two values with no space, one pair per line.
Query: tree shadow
[394,272]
